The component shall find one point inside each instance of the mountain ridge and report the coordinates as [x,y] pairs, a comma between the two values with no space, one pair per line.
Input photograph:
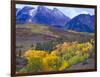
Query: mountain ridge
[81,23]
[54,17]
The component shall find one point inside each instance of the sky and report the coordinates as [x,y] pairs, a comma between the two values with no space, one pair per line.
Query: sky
[68,11]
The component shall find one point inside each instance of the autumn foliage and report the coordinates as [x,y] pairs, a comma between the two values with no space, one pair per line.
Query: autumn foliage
[61,57]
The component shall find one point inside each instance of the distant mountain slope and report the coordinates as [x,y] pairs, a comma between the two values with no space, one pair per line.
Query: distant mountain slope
[23,15]
[54,17]
[81,23]
[59,17]
[41,15]
[17,10]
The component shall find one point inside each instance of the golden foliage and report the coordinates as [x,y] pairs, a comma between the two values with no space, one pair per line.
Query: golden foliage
[52,63]
[62,57]
[64,66]
[35,53]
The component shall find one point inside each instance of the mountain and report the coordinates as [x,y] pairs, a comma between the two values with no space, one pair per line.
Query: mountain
[41,15]
[54,17]
[50,17]
[23,15]
[81,23]
[17,10]
[59,17]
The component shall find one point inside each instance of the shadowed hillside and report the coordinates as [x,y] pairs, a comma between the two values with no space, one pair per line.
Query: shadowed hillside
[29,34]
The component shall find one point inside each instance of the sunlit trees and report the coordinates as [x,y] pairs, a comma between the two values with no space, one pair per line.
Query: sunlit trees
[64,66]
[60,58]
[35,53]
[35,64]
[52,63]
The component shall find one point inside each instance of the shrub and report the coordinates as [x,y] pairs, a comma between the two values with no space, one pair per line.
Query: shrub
[35,53]
[84,57]
[74,60]
[77,58]
[46,46]
[35,64]
[65,65]
[67,56]
[52,63]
